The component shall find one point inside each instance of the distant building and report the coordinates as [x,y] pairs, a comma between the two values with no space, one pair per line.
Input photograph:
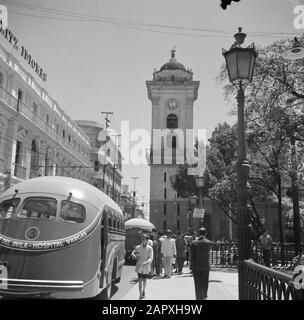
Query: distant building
[36,136]
[106,177]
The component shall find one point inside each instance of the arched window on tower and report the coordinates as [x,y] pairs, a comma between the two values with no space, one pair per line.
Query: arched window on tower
[172,121]
[174,142]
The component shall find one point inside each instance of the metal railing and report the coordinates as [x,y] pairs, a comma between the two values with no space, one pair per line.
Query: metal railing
[20,171]
[263,283]
[226,254]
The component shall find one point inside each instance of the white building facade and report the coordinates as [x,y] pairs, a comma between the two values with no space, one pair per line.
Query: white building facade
[36,136]
[107,166]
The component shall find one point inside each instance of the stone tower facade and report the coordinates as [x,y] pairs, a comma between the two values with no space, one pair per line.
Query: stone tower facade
[172,93]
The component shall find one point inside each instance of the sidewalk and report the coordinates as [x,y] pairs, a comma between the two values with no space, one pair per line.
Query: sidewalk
[223,285]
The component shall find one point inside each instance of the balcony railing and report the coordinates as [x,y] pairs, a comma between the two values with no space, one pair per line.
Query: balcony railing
[34,174]
[21,107]
[262,283]
[20,171]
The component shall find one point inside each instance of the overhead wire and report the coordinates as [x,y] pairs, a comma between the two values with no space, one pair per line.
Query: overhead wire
[138,25]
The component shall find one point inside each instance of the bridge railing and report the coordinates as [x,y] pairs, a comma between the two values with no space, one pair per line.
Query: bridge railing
[263,283]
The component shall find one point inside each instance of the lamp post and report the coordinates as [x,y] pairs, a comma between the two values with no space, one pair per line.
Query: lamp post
[134,194]
[200,182]
[296,52]
[240,64]
[192,203]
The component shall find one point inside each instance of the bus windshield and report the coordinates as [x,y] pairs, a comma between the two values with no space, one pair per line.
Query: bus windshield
[72,211]
[8,207]
[38,207]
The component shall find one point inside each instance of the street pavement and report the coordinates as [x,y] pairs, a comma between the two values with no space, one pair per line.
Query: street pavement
[223,285]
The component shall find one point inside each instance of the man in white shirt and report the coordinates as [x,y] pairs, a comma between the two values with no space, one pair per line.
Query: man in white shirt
[168,251]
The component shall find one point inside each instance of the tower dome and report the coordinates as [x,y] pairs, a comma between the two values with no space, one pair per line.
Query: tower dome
[173,64]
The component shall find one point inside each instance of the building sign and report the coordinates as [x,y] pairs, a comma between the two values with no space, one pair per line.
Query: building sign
[198,213]
[14,42]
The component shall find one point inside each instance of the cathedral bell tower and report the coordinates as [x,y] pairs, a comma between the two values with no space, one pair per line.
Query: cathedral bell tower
[172,93]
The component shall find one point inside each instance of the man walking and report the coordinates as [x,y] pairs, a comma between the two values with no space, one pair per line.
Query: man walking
[180,244]
[143,254]
[199,261]
[266,243]
[157,255]
[168,251]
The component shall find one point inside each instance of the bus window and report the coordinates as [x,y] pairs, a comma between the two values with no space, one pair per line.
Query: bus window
[71,211]
[110,222]
[38,207]
[8,207]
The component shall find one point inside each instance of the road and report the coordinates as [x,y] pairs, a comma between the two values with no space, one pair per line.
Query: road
[128,280]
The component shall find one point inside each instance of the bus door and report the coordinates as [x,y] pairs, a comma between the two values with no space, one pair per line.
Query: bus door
[103,242]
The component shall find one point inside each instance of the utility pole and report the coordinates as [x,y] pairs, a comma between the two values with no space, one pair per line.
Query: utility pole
[134,193]
[107,121]
[113,182]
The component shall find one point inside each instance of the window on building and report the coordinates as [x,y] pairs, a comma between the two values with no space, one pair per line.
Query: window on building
[96,165]
[178,209]
[172,121]
[63,133]
[1,79]
[165,208]
[178,225]
[69,138]
[165,176]
[20,95]
[57,128]
[35,108]
[165,193]
[174,142]
[18,157]
[165,225]
[47,119]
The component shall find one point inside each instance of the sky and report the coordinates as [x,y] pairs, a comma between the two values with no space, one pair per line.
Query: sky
[101,63]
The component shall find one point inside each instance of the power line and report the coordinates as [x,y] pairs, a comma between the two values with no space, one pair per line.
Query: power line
[139,25]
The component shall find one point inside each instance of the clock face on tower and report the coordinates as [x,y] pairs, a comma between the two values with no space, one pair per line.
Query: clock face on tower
[172,104]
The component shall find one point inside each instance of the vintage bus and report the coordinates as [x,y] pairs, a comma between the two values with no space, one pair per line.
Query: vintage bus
[134,230]
[59,238]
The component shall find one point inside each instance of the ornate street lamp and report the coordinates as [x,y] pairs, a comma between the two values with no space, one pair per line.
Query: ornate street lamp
[192,203]
[240,65]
